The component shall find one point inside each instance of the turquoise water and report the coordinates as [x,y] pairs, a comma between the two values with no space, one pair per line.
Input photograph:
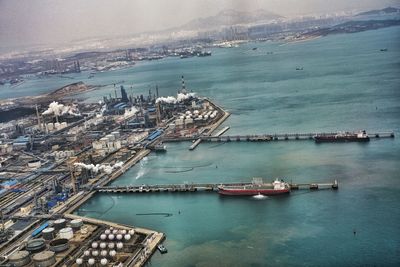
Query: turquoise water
[346,84]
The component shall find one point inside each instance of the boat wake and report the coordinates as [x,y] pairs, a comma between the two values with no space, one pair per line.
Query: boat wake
[260,197]
[142,169]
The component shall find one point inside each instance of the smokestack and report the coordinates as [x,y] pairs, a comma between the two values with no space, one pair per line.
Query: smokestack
[38,118]
[157,90]
[158,113]
[183,86]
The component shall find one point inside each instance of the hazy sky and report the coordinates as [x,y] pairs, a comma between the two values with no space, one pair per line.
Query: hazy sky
[24,22]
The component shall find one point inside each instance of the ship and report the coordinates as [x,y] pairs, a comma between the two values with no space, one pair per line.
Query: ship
[257,187]
[360,136]
[162,248]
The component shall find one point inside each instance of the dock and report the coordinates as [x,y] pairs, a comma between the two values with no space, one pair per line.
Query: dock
[192,187]
[223,130]
[269,137]
[212,127]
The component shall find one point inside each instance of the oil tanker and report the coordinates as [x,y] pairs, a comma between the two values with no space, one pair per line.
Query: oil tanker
[361,136]
[257,187]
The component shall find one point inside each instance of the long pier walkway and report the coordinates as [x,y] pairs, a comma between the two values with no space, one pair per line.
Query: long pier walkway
[266,137]
[191,187]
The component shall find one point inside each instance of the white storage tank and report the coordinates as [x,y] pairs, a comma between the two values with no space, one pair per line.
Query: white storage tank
[110,137]
[66,233]
[116,134]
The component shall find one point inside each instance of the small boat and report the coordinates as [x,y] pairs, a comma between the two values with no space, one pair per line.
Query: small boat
[384,50]
[299,68]
[257,187]
[162,249]
[254,48]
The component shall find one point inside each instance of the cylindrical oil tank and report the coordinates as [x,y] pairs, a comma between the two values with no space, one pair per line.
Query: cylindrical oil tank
[59,224]
[76,224]
[66,233]
[19,258]
[48,233]
[59,245]
[44,259]
[36,245]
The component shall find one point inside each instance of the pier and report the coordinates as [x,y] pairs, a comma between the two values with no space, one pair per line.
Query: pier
[267,137]
[192,187]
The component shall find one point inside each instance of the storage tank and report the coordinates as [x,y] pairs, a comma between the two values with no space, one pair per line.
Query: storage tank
[116,134]
[76,224]
[79,261]
[103,261]
[19,258]
[120,245]
[91,261]
[112,253]
[59,245]
[48,233]
[59,224]
[36,245]
[34,164]
[50,126]
[44,259]
[110,137]
[127,237]
[66,233]
[104,253]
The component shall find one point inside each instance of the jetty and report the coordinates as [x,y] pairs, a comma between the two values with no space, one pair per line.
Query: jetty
[206,187]
[266,137]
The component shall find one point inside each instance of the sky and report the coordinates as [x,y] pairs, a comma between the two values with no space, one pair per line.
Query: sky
[28,22]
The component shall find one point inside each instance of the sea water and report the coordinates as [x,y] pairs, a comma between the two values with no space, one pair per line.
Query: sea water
[346,83]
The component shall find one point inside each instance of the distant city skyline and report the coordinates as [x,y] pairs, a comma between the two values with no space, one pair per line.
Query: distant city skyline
[24,23]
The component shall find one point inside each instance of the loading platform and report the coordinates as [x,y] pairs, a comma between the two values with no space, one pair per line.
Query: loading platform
[191,187]
[266,137]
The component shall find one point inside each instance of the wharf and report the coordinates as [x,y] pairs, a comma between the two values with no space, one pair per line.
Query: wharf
[210,187]
[268,137]
[212,128]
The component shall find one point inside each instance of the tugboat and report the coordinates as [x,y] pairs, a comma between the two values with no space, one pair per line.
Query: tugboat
[162,249]
[257,187]
[361,136]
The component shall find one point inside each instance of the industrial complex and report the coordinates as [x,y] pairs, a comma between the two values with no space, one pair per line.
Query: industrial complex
[53,160]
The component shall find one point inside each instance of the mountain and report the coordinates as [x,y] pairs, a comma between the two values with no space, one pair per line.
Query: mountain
[229,18]
[388,10]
